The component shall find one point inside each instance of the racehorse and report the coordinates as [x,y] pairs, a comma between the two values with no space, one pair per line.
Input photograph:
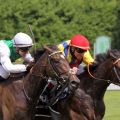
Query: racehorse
[19,96]
[95,81]
[76,106]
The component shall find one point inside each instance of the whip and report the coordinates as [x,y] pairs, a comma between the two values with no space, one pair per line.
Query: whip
[33,37]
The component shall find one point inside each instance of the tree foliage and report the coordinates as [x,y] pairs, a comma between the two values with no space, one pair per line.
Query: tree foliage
[116,30]
[53,21]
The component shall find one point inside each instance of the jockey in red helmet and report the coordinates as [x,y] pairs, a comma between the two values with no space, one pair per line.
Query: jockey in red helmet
[77,51]
[79,41]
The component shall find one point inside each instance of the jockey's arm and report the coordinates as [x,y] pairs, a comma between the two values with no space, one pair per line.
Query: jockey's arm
[8,66]
[61,48]
[87,58]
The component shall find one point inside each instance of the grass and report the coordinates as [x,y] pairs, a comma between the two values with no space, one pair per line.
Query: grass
[112,102]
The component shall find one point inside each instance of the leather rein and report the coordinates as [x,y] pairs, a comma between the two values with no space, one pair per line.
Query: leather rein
[108,81]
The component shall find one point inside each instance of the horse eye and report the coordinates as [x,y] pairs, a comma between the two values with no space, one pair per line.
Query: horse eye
[57,62]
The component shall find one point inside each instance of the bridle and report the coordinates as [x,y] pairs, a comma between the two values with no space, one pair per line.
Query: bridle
[108,81]
[56,72]
[114,68]
[64,79]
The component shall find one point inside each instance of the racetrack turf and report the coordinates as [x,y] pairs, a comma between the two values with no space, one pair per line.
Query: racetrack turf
[112,102]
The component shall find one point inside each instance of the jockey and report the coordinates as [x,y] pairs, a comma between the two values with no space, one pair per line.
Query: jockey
[11,50]
[76,51]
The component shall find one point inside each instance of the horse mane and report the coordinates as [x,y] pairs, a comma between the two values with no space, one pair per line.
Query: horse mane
[101,57]
[111,53]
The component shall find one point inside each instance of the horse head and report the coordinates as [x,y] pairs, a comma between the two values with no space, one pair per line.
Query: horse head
[95,81]
[55,65]
[60,67]
[51,63]
[109,66]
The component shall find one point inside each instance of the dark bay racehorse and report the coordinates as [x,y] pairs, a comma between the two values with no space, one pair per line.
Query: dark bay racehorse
[18,98]
[106,72]
[77,106]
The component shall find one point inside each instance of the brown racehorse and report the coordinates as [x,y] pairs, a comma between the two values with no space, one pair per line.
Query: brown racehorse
[106,72]
[76,106]
[18,98]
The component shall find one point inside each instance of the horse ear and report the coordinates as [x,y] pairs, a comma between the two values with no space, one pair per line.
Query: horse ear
[111,53]
[47,48]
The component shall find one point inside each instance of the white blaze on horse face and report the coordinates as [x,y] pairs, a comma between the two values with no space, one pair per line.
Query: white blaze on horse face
[62,56]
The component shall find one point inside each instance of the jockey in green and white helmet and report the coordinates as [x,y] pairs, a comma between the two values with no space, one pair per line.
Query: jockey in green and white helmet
[11,50]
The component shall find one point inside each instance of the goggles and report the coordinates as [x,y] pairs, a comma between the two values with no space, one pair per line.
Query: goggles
[80,50]
[24,49]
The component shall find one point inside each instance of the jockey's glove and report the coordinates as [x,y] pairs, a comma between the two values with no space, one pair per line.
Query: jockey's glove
[29,66]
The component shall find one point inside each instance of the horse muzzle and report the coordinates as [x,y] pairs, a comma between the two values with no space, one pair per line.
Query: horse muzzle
[73,85]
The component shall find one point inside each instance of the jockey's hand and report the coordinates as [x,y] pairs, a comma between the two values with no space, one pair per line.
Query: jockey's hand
[74,70]
[29,66]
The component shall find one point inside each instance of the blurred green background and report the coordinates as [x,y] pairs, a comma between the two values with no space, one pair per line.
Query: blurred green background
[53,21]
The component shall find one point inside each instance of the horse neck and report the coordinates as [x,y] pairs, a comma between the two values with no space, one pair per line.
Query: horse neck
[34,81]
[103,72]
[99,89]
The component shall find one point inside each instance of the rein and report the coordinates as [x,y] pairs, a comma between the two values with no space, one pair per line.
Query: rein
[88,66]
[108,81]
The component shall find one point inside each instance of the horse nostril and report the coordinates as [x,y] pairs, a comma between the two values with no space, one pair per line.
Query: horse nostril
[74,85]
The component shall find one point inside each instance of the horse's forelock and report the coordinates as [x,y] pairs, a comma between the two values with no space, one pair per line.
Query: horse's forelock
[36,54]
[101,57]
[114,53]
[39,52]
[111,53]
[53,47]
